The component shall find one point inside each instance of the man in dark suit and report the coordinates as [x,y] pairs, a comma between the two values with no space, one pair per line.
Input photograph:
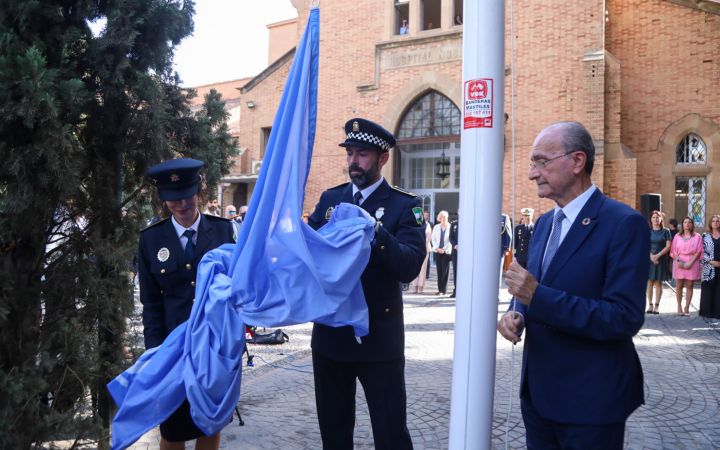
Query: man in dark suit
[523,233]
[398,251]
[454,242]
[580,302]
[168,255]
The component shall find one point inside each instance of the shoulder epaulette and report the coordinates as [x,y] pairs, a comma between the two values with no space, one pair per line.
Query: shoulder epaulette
[339,186]
[155,224]
[214,217]
[402,191]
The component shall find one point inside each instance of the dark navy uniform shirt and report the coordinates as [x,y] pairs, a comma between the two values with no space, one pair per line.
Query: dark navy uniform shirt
[454,234]
[396,257]
[523,233]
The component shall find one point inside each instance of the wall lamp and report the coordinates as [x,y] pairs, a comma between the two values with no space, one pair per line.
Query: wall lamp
[250,104]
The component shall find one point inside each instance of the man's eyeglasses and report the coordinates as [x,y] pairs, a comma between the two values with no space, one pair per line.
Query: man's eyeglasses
[542,163]
[232,211]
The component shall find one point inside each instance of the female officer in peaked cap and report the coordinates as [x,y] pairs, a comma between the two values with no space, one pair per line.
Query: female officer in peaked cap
[168,255]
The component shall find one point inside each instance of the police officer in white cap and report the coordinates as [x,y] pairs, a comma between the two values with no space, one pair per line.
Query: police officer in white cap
[523,233]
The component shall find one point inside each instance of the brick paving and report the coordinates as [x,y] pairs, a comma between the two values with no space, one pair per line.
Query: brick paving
[680,358]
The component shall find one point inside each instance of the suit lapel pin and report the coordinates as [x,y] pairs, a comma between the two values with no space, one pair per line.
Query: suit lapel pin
[328,213]
[163,254]
[379,213]
[586,221]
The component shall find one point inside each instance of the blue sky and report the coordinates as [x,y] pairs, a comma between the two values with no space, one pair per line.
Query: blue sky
[230,39]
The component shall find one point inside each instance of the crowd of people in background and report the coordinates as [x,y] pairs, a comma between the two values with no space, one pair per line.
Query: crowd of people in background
[681,257]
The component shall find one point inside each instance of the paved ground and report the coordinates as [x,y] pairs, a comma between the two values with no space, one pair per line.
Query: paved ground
[680,357]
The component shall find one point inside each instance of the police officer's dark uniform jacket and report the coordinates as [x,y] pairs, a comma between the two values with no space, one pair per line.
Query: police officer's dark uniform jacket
[377,360]
[398,251]
[523,233]
[167,283]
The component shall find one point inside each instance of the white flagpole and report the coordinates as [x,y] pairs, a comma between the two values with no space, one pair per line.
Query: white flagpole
[482,146]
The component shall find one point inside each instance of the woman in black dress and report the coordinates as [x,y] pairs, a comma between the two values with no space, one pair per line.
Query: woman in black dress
[659,248]
[710,287]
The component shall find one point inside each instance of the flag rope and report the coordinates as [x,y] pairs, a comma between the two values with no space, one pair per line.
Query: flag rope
[512,206]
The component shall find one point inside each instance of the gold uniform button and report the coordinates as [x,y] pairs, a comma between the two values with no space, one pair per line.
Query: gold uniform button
[162,270]
[382,247]
[188,266]
[192,283]
[387,310]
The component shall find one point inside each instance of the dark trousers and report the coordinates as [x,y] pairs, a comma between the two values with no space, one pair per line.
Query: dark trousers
[454,264]
[442,264]
[384,386]
[543,434]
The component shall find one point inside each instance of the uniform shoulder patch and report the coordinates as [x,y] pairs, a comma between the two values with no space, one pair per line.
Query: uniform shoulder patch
[402,191]
[339,186]
[418,213]
[158,223]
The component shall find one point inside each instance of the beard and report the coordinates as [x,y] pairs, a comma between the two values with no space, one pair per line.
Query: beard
[364,178]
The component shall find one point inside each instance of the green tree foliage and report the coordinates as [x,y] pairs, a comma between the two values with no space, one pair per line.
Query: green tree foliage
[82,116]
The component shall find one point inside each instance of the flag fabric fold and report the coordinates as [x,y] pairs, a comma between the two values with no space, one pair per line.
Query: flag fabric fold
[280,272]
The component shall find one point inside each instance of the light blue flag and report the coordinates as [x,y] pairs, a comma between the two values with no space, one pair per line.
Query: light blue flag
[280,272]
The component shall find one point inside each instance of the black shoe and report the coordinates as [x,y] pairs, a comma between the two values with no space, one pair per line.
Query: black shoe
[452,295]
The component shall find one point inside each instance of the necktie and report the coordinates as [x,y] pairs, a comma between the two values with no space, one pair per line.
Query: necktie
[357,198]
[554,241]
[190,246]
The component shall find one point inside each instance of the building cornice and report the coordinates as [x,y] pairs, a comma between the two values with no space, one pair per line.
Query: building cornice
[268,71]
[709,6]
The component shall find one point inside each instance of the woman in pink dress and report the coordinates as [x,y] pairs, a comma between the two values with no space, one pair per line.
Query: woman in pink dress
[686,250]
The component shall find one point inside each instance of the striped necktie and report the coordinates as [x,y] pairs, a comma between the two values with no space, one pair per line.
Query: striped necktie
[554,241]
[357,198]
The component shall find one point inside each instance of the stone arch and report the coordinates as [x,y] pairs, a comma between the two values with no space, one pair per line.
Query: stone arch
[414,88]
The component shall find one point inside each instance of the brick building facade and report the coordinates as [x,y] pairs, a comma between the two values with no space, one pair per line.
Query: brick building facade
[642,76]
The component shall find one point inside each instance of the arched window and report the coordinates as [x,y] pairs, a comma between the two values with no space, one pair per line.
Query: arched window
[432,115]
[691,150]
[691,191]
[429,129]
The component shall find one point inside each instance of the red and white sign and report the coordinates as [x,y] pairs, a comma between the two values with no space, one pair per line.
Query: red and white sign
[478,103]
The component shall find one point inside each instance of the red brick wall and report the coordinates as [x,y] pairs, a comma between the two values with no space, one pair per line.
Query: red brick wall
[552,82]
[266,97]
[670,61]
[663,64]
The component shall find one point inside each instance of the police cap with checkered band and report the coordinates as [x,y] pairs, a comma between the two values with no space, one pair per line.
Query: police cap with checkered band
[176,179]
[367,134]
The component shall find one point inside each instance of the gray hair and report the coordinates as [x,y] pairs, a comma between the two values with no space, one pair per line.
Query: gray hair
[576,138]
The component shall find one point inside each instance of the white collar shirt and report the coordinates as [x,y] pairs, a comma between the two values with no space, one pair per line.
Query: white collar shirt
[179,230]
[367,192]
[572,210]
